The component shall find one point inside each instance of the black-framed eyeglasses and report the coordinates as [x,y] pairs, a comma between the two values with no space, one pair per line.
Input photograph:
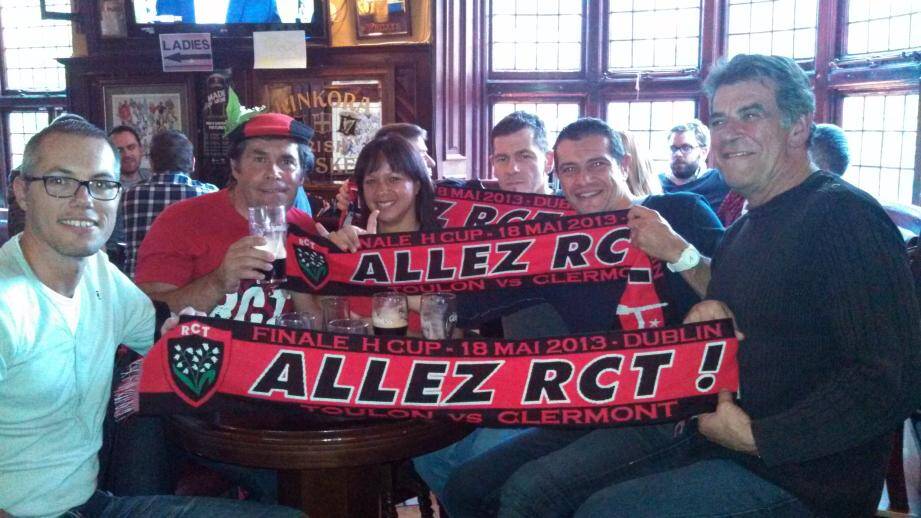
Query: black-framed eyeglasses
[684,148]
[64,187]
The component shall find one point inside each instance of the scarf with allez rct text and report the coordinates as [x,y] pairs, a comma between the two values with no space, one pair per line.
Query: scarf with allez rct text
[614,379]
[564,250]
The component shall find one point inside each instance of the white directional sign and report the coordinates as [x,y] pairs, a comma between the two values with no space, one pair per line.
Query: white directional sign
[186,52]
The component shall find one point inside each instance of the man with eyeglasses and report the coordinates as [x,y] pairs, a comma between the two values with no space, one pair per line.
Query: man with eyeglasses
[63,310]
[689,144]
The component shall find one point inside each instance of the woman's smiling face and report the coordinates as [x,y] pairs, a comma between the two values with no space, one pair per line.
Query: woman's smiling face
[393,193]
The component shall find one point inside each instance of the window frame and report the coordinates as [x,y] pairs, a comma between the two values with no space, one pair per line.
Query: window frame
[890,88]
[493,100]
[675,72]
[843,57]
[833,73]
[543,75]
[594,86]
[53,102]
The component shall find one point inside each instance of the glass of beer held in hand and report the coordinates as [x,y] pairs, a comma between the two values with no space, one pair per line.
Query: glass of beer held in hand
[269,222]
[389,313]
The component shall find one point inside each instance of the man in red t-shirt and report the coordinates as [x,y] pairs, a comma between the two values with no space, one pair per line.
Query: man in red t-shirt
[199,252]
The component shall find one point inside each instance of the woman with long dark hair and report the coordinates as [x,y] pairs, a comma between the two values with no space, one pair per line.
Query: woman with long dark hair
[393,180]
[396,195]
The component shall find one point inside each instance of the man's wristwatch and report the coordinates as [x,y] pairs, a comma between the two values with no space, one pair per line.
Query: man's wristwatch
[689,258]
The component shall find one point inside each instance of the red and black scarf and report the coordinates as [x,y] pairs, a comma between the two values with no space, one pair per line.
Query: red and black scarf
[464,207]
[619,378]
[564,250]
[614,379]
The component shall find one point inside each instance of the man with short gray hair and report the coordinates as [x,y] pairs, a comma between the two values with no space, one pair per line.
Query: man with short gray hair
[817,281]
[689,145]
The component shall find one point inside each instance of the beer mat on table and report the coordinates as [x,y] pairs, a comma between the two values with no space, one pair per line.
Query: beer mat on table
[464,207]
[563,250]
[614,379]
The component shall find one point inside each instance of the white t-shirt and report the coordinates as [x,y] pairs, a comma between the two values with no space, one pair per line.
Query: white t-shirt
[68,306]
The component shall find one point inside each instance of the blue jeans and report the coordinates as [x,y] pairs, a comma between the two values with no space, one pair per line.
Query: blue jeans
[105,505]
[715,487]
[551,472]
[436,467]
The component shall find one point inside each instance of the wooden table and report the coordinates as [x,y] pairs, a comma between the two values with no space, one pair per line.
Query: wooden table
[327,467]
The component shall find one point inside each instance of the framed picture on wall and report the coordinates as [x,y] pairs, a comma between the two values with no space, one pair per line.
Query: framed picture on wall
[345,107]
[113,21]
[148,109]
[382,18]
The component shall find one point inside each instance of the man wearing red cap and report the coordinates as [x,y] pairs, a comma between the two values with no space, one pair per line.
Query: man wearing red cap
[199,252]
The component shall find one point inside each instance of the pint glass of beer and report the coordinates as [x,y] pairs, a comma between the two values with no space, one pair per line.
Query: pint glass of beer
[389,313]
[269,222]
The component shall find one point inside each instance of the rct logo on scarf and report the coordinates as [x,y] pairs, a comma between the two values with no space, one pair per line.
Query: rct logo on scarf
[195,365]
[313,264]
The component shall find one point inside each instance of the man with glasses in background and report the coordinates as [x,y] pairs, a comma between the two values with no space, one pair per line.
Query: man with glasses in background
[689,145]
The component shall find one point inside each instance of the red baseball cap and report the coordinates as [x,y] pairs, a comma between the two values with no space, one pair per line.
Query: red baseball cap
[271,125]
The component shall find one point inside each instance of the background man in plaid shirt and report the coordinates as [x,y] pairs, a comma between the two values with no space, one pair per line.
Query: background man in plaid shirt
[172,160]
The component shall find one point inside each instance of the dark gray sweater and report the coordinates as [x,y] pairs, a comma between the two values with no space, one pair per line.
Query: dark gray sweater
[819,283]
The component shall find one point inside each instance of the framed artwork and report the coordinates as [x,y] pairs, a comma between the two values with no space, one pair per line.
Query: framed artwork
[113,21]
[382,18]
[344,107]
[148,109]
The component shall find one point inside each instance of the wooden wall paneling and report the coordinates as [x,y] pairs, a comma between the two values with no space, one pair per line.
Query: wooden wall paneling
[459,115]
[594,55]
[404,95]
[830,21]
[712,46]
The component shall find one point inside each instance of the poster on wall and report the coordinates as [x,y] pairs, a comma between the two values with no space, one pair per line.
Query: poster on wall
[345,115]
[382,18]
[113,22]
[148,109]
[215,146]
